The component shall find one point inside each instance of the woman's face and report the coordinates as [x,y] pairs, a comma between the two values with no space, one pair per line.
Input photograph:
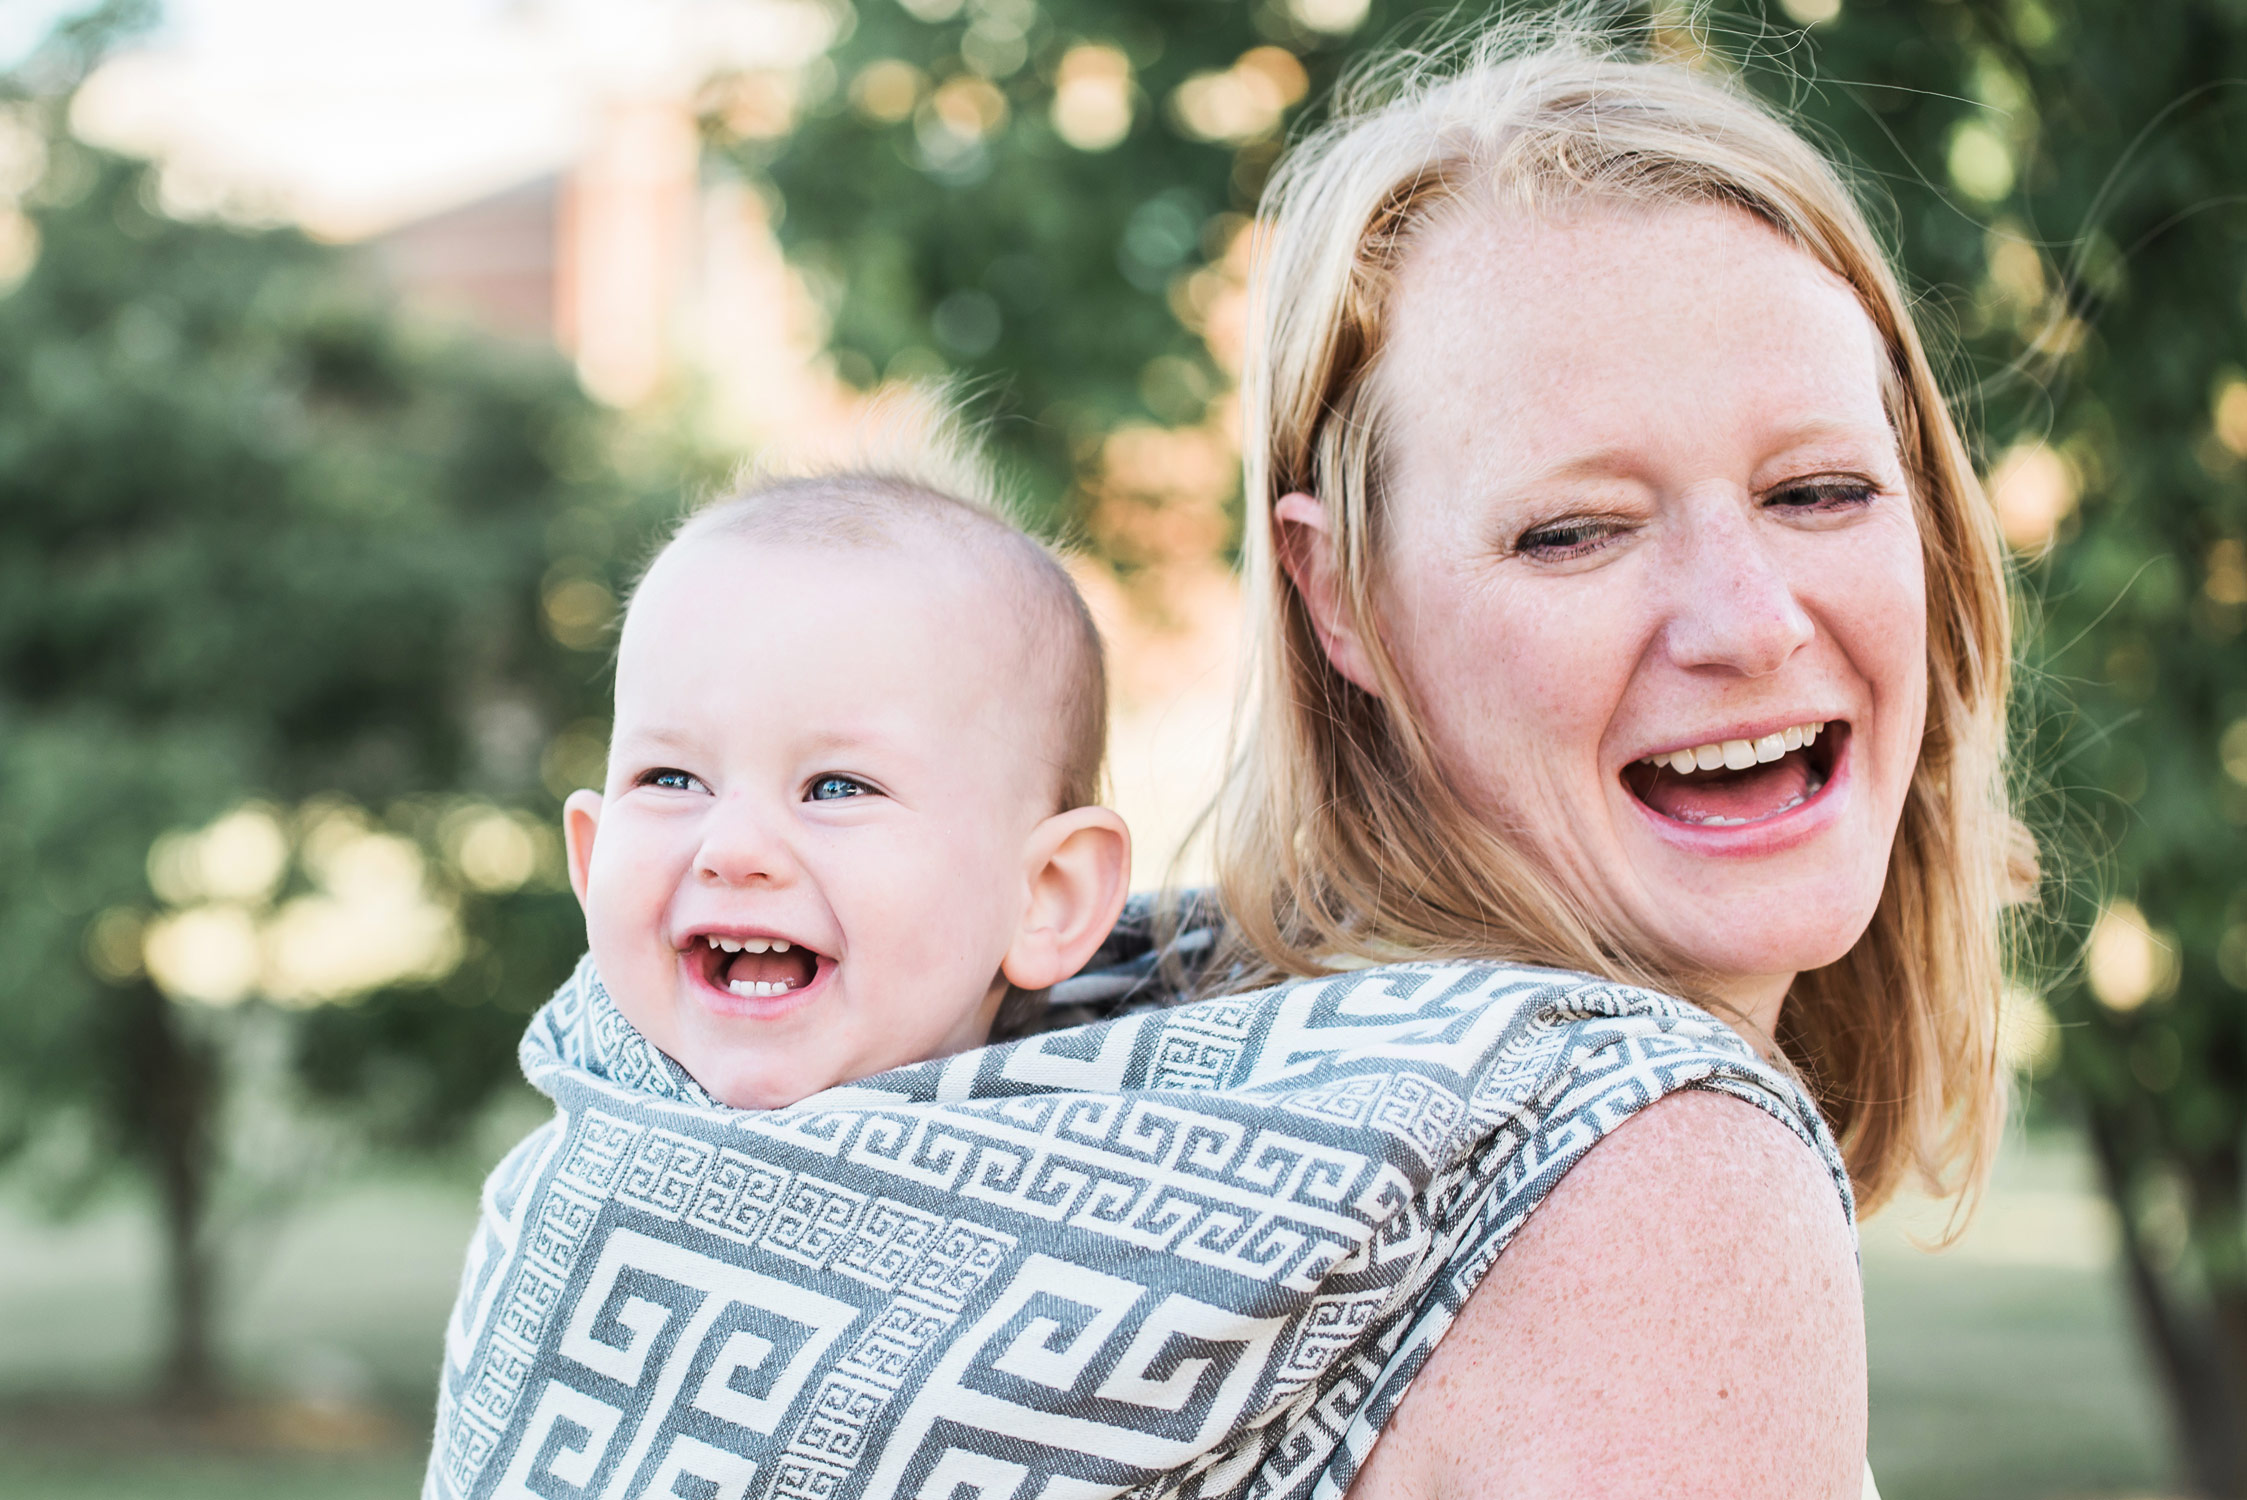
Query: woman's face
[1645,502]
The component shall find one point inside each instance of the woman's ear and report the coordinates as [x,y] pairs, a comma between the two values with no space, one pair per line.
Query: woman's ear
[1079,865]
[581,819]
[1304,535]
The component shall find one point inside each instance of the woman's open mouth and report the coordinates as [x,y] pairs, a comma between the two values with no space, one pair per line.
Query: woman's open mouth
[1731,783]
[754,968]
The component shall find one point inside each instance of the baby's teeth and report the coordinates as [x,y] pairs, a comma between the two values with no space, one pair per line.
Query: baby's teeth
[753,989]
[1770,747]
[754,945]
[780,945]
[1738,755]
[729,945]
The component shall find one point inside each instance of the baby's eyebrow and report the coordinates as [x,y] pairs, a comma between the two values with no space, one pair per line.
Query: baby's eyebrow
[640,741]
[659,736]
[848,738]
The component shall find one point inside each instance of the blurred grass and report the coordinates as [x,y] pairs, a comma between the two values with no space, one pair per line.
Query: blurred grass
[49,1474]
[347,1302]
[336,1338]
[2004,1369]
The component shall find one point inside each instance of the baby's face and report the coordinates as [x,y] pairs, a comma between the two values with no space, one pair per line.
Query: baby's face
[809,862]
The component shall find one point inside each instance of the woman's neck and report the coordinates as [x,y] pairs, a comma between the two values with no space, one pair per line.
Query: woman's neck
[1757,998]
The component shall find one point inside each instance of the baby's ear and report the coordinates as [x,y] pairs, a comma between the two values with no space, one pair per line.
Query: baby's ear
[581,818]
[1079,865]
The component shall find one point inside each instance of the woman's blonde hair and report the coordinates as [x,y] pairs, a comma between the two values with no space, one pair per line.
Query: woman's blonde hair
[1339,841]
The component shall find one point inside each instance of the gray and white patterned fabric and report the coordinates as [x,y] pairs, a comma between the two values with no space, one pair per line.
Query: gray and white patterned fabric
[1194,1251]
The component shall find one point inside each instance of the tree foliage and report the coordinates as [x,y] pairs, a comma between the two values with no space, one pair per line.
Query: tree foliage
[267,550]
[932,190]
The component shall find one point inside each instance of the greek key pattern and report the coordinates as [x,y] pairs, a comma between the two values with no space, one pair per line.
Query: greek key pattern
[1192,1252]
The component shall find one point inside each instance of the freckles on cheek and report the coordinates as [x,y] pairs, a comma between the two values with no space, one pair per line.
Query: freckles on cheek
[1505,670]
[1886,629]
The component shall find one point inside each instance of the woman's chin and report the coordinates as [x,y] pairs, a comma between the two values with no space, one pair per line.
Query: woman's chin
[1727,913]
[1747,937]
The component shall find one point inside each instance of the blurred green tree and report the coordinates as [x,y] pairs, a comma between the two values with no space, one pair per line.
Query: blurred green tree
[1040,194]
[1026,191]
[303,616]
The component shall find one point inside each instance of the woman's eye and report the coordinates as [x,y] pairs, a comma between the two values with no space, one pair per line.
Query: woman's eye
[1560,540]
[670,780]
[830,788]
[1825,494]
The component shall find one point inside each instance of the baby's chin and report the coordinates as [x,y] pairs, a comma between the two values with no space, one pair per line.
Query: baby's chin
[776,1077]
[759,1091]
[776,1074]
[768,1077]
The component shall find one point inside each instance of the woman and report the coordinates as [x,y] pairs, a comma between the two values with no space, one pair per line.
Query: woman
[1628,609]
[1627,603]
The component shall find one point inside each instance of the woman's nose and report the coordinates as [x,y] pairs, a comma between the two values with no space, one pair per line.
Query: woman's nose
[1732,603]
[744,843]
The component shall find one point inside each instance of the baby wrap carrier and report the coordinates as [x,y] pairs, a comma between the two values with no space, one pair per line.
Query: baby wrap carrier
[1195,1251]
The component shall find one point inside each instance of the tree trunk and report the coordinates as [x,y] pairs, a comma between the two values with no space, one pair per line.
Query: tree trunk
[2231,1329]
[2196,1356]
[170,1080]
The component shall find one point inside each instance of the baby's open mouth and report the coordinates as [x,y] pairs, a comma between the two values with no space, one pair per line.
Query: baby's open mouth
[755,967]
[1733,782]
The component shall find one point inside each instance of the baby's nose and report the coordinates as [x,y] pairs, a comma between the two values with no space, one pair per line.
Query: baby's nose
[744,843]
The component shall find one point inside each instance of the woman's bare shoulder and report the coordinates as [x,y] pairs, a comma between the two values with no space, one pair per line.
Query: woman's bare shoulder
[1682,1317]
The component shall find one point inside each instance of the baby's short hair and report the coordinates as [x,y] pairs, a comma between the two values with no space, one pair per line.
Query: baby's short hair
[935,483]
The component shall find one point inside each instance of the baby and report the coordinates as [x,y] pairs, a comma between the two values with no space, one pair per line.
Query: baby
[849,807]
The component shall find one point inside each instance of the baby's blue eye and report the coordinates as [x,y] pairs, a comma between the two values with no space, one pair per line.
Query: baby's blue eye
[670,781]
[828,788]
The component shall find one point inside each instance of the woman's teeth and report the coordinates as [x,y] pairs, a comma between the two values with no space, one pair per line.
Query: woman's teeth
[1738,755]
[750,989]
[749,945]
[1722,822]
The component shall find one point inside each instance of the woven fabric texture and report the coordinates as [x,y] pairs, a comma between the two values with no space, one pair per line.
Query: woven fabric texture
[1191,1251]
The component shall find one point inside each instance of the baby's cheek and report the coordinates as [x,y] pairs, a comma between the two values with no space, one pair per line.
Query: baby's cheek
[943,922]
[948,940]
[624,934]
